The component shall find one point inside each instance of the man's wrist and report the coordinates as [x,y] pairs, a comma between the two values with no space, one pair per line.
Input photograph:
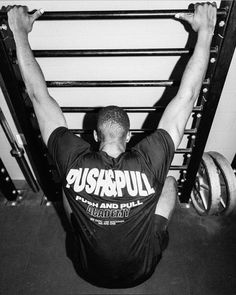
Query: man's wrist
[20,35]
[206,31]
[205,35]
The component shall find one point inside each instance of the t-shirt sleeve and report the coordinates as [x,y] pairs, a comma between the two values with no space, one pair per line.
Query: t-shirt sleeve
[158,151]
[65,147]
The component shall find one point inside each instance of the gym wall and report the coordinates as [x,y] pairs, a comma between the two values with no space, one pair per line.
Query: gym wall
[118,34]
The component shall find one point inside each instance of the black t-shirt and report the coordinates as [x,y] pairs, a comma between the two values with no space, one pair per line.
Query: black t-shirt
[113,202]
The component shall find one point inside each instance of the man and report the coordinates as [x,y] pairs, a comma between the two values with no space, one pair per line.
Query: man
[119,203]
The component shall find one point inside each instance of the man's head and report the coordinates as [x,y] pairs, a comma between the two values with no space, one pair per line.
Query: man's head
[112,125]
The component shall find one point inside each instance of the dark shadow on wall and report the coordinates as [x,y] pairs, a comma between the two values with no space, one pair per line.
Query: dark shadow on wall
[90,122]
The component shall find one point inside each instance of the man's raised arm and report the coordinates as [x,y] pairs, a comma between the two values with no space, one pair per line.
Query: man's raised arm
[47,110]
[176,114]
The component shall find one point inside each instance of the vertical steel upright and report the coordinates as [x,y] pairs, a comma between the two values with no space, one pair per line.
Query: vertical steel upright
[7,187]
[212,97]
[21,110]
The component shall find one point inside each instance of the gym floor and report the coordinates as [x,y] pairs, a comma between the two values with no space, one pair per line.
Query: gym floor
[200,258]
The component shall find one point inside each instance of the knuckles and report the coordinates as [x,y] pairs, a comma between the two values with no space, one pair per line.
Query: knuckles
[16,9]
[205,7]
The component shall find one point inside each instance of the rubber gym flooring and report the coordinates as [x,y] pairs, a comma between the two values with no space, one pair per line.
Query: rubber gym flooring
[200,258]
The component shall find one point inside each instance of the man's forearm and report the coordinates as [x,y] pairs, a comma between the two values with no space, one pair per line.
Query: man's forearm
[30,70]
[47,110]
[195,71]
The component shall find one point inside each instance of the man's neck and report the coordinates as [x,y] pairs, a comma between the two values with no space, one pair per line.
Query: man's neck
[113,149]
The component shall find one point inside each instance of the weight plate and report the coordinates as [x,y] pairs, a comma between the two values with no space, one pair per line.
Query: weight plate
[205,194]
[228,184]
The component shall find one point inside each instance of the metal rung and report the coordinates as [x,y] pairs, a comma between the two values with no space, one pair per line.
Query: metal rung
[176,167]
[184,151]
[113,14]
[127,109]
[133,131]
[118,83]
[114,52]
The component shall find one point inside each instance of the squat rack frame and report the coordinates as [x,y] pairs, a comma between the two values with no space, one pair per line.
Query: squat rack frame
[222,50]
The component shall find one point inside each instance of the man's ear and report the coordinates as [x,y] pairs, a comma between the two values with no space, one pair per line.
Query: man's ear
[95,135]
[128,136]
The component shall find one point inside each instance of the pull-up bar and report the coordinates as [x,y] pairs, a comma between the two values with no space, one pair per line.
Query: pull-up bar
[127,109]
[192,131]
[114,14]
[118,83]
[114,52]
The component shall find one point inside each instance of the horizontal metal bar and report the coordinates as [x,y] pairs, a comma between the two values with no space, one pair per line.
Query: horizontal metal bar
[118,83]
[127,109]
[177,167]
[184,151]
[114,52]
[113,14]
[133,131]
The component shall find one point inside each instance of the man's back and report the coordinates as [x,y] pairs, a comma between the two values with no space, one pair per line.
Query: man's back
[113,202]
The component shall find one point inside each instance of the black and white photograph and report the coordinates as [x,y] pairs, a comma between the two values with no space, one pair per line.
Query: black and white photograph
[117,147]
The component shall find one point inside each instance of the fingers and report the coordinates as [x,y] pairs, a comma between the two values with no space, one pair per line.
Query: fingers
[212,12]
[37,14]
[203,18]
[20,20]
[185,16]
[205,5]
[16,9]
[24,9]
[189,16]
[8,8]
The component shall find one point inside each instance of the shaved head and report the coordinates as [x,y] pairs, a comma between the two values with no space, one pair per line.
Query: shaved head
[113,124]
